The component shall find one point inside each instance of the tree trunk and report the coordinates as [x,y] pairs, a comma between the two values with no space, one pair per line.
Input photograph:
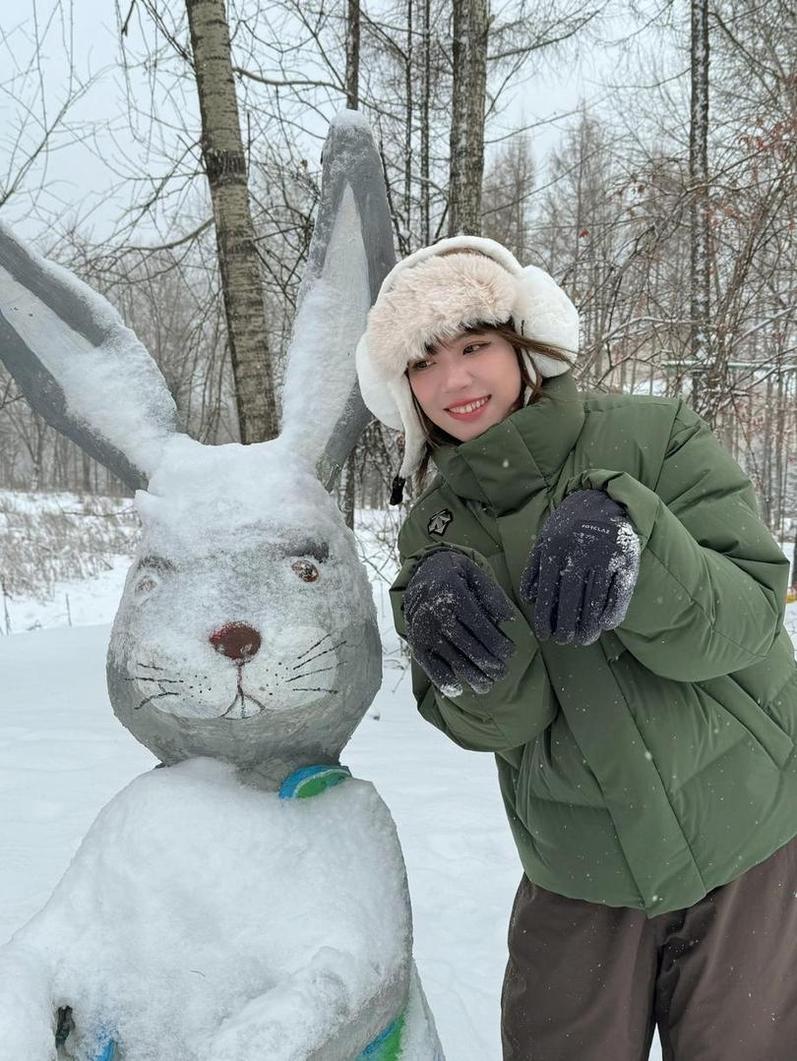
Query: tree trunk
[707,395]
[426,227]
[225,164]
[471,22]
[346,490]
[766,462]
[85,468]
[408,101]
[353,56]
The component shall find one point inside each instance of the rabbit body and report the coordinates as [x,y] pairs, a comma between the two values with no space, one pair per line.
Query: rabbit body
[205,920]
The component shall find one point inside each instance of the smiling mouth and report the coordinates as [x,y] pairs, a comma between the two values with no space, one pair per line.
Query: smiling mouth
[468,410]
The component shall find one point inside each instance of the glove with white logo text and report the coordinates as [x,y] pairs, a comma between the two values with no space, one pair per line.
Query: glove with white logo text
[452,610]
[582,571]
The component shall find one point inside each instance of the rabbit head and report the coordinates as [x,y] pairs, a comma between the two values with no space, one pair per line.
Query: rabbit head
[247,629]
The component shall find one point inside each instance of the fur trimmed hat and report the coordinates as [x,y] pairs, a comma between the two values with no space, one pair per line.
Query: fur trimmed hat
[432,295]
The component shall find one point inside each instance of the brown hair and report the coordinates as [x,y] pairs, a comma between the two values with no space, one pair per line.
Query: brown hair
[435,436]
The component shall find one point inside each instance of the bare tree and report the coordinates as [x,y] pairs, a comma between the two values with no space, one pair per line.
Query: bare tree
[507,193]
[353,55]
[347,489]
[469,62]
[225,165]
[35,104]
[700,256]
[609,213]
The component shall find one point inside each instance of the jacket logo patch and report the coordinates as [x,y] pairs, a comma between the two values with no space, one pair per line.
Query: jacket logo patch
[439,521]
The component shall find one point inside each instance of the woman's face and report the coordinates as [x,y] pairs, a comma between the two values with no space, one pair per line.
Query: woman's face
[467,384]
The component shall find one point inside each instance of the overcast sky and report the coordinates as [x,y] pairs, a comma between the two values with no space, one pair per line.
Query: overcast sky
[80,177]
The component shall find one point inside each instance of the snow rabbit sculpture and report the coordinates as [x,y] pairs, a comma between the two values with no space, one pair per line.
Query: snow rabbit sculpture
[249,902]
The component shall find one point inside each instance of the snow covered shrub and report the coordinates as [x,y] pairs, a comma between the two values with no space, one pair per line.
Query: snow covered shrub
[49,538]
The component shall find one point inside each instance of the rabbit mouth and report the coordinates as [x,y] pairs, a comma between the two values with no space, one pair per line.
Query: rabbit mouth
[287,680]
[244,705]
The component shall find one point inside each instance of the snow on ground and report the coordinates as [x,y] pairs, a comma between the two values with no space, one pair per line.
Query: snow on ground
[63,756]
[73,602]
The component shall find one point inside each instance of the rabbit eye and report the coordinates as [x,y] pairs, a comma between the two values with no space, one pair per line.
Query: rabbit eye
[151,570]
[146,584]
[306,571]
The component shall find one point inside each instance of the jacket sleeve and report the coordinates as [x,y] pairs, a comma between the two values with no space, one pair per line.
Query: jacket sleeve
[517,708]
[710,595]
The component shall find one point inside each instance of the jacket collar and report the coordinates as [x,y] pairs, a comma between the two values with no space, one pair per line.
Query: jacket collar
[520,456]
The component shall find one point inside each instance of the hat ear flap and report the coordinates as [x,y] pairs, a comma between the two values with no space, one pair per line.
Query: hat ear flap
[544,312]
[376,395]
[414,434]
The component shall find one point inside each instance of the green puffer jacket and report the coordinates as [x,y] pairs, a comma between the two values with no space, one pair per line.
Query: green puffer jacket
[656,764]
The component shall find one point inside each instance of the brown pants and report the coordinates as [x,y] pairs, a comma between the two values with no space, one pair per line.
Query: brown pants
[587,982]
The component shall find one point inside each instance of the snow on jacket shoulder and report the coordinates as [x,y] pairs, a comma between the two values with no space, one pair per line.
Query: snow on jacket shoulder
[657,764]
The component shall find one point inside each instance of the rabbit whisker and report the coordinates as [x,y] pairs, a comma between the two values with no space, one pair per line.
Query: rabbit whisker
[310,649]
[319,654]
[299,689]
[155,696]
[298,677]
[163,681]
[152,666]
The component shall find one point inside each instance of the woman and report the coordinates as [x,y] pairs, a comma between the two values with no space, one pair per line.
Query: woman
[588,593]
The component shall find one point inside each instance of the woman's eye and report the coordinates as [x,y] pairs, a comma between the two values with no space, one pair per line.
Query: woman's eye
[474,346]
[306,571]
[419,366]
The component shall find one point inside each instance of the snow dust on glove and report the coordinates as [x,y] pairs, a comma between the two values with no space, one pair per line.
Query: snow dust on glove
[452,610]
[582,571]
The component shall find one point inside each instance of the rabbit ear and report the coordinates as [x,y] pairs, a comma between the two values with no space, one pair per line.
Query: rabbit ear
[350,254]
[79,366]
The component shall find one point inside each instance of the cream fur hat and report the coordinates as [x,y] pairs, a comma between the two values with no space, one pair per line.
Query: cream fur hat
[436,292]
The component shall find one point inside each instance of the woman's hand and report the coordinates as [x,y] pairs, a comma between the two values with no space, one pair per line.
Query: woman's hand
[583,569]
[452,610]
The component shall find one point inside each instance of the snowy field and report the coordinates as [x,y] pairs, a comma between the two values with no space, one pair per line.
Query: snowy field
[63,755]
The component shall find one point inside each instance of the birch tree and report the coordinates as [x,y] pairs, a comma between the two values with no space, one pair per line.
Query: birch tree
[225,164]
[469,64]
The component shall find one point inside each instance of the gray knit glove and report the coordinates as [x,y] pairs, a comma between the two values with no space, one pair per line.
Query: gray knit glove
[582,571]
[452,610]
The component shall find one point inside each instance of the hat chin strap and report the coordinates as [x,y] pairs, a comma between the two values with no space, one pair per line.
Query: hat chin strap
[414,435]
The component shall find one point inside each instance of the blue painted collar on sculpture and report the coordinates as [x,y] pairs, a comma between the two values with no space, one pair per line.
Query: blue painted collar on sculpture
[313,780]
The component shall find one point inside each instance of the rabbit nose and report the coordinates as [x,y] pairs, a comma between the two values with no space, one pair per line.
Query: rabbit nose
[236,641]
